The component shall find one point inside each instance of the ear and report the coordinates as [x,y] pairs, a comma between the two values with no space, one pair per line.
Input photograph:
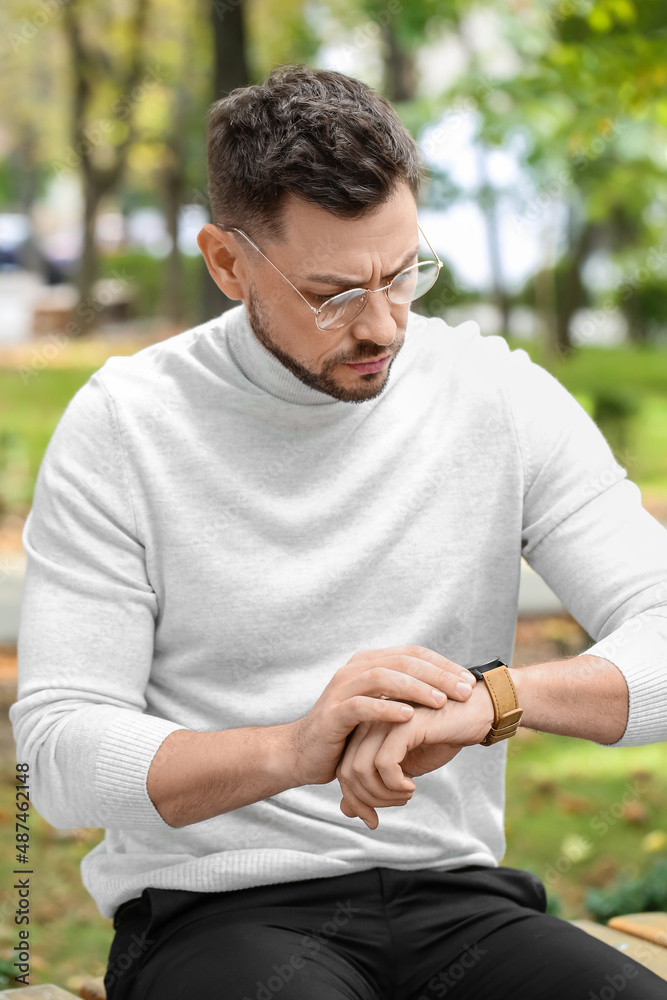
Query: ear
[224,261]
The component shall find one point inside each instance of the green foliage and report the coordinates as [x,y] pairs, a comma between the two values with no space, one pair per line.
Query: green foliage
[613,411]
[6,973]
[578,816]
[638,895]
[554,904]
[146,274]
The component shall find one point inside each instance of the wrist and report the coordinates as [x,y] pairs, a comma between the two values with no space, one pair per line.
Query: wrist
[495,676]
[515,674]
[286,758]
[481,701]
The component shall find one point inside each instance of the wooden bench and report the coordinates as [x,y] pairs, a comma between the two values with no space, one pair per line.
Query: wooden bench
[640,936]
[91,990]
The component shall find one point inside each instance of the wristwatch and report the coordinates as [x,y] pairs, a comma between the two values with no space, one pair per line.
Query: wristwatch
[506,711]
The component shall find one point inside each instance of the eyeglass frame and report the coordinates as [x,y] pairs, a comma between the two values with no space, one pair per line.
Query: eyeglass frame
[385,288]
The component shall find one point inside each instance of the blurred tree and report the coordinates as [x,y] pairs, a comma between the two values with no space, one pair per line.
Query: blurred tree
[101,147]
[282,32]
[33,114]
[230,70]
[588,99]
[230,62]
[173,181]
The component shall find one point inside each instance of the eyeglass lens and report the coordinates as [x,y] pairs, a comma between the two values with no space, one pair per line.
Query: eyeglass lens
[406,287]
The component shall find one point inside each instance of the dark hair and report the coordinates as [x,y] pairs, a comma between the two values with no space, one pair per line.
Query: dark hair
[313,133]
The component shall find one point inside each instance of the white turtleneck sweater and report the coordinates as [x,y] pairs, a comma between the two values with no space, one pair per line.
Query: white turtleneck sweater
[210,540]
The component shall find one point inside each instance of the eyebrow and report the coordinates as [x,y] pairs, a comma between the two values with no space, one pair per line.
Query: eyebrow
[337,279]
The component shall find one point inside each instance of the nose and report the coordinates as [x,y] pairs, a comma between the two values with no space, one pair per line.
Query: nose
[376,320]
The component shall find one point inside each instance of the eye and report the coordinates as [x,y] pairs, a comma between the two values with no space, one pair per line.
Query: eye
[320,298]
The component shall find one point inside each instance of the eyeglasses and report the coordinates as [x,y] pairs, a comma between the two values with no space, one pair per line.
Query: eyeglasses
[408,285]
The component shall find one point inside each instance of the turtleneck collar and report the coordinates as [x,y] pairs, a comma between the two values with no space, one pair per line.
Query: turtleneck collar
[263,369]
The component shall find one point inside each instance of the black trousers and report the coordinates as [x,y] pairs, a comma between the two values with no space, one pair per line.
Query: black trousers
[380,934]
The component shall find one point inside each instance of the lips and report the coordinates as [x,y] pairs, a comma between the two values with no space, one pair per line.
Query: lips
[371,366]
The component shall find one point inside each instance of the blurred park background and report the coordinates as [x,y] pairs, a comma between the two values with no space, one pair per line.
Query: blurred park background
[544,128]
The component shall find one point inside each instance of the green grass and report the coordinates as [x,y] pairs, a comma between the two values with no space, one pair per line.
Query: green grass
[29,412]
[578,814]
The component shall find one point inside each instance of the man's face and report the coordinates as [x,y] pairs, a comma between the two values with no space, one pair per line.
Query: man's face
[323,255]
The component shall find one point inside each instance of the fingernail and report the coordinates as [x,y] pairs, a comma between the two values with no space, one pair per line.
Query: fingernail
[467,677]
[463,687]
[438,696]
[406,709]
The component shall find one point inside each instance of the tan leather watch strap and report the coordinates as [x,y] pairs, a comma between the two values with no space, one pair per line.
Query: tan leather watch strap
[506,711]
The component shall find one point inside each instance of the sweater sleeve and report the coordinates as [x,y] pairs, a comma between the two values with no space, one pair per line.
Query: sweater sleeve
[587,535]
[86,631]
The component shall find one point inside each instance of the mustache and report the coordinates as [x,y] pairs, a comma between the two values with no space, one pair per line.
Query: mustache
[374,357]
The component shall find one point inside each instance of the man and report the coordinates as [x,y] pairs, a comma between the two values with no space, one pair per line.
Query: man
[257,560]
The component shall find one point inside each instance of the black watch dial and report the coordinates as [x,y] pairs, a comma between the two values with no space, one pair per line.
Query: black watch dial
[480,670]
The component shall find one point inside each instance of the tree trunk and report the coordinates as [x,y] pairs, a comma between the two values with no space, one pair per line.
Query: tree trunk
[173,273]
[86,315]
[399,67]
[97,181]
[173,179]
[230,70]
[487,202]
[571,294]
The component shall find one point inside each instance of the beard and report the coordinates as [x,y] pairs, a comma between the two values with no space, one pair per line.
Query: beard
[366,386]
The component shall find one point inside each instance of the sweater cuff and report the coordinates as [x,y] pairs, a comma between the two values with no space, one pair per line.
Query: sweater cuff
[644,665]
[123,761]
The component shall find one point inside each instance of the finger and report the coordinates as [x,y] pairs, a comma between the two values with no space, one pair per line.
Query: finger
[355,807]
[358,770]
[409,679]
[346,808]
[357,766]
[446,669]
[388,760]
[347,714]
[371,789]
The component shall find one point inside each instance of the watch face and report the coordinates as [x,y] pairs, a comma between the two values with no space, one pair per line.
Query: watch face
[478,671]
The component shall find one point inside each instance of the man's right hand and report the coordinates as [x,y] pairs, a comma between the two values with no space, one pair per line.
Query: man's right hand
[404,674]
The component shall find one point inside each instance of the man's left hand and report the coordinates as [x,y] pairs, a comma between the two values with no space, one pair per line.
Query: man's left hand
[380,759]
